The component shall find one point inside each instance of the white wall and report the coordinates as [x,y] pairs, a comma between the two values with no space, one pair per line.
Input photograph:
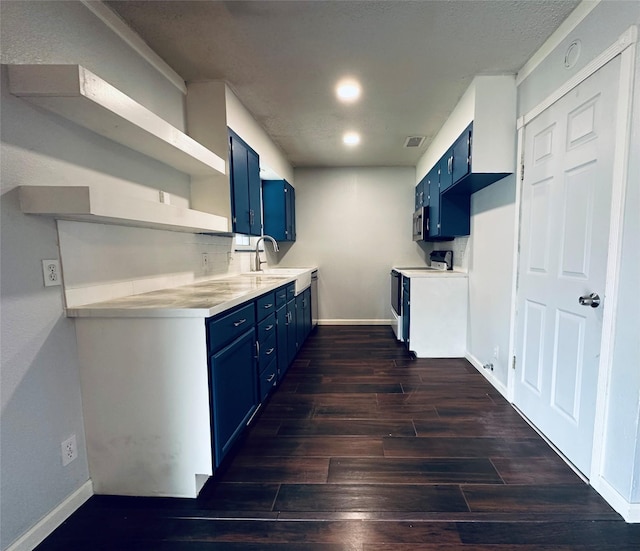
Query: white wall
[243,124]
[619,476]
[355,224]
[41,401]
[490,264]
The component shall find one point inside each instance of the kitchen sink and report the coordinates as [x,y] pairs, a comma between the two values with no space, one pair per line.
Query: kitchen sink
[302,275]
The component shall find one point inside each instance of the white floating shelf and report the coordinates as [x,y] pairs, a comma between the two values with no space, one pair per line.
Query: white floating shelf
[84,98]
[85,204]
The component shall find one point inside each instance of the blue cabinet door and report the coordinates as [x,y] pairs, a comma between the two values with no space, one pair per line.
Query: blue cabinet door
[239,174]
[446,170]
[281,338]
[421,194]
[461,156]
[406,309]
[300,320]
[234,391]
[290,212]
[455,215]
[449,214]
[245,187]
[433,179]
[279,198]
[255,211]
[292,336]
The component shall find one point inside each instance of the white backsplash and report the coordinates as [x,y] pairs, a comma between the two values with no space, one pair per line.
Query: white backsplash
[459,248]
[102,262]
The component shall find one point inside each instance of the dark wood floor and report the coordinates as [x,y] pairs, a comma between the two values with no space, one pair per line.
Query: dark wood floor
[362,448]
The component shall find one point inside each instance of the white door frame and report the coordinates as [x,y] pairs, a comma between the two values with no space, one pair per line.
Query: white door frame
[625,46]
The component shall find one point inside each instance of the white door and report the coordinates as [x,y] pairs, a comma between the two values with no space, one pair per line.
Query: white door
[566,196]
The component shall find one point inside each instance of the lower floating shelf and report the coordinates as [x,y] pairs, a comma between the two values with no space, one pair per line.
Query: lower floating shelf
[85,204]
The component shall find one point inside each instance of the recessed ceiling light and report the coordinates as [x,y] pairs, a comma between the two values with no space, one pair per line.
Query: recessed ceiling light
[348,90]
[351,138]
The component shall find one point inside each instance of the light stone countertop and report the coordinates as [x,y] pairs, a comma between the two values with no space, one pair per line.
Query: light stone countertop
[429,272]
[199,300]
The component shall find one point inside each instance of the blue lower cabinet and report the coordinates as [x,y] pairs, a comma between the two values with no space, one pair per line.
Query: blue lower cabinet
[233,393]
[406,309]
[292,336]
[250,349]
[267,351]
[268,379]
[282,322]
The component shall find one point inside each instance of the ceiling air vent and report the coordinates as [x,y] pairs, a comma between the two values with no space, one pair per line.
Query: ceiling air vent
[414,141]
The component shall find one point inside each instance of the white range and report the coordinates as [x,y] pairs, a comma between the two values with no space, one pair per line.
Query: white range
[433,317]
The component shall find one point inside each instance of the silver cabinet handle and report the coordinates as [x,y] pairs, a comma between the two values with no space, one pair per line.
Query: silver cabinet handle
[592,300]
[267,306]
[269,352]
[239,322]
[268,328]
[271,378]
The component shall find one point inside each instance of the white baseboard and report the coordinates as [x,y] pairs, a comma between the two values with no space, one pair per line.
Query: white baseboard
[355,322]
[475,362]
[630,512]
[37,534]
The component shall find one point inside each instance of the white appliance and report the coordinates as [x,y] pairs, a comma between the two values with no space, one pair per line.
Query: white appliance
[436,323]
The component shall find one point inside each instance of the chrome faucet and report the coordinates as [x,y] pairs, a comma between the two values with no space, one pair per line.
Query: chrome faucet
[257,262]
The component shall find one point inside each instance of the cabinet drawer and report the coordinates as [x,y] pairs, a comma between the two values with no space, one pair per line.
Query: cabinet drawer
[281,297]
[223,329]
[291,291]
[268,379]
[267,352]
[265,305]
[266,328]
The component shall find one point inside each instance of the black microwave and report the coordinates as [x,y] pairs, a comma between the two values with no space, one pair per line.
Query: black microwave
[421,224]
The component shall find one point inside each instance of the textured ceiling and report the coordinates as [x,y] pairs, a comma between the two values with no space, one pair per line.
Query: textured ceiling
[282,58]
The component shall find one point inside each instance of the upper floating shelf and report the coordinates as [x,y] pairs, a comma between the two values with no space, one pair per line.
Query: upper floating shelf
[86,204]
[84,98]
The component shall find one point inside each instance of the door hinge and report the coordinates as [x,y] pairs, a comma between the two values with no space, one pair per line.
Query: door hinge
[513,364]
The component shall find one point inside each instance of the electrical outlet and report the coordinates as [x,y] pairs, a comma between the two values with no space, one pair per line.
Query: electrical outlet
[69,450]
[496,352]
[164,197]
[205,261]
[51,273]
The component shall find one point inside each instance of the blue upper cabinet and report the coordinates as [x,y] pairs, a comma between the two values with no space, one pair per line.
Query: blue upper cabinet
[449,214]
[245,187]
[461,156]
[422,194]
[455,164]
[279,202]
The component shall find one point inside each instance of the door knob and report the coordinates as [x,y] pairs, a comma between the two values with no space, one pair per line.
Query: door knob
[592,300]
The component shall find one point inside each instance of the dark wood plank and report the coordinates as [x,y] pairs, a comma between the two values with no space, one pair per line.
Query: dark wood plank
[309,446]
[487,425]
[278,469]
[348,388]
[576,499]
[535,470]
[369,497]
[354,427]
[465,447]
[591,535]
[244,496]
[412,471]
